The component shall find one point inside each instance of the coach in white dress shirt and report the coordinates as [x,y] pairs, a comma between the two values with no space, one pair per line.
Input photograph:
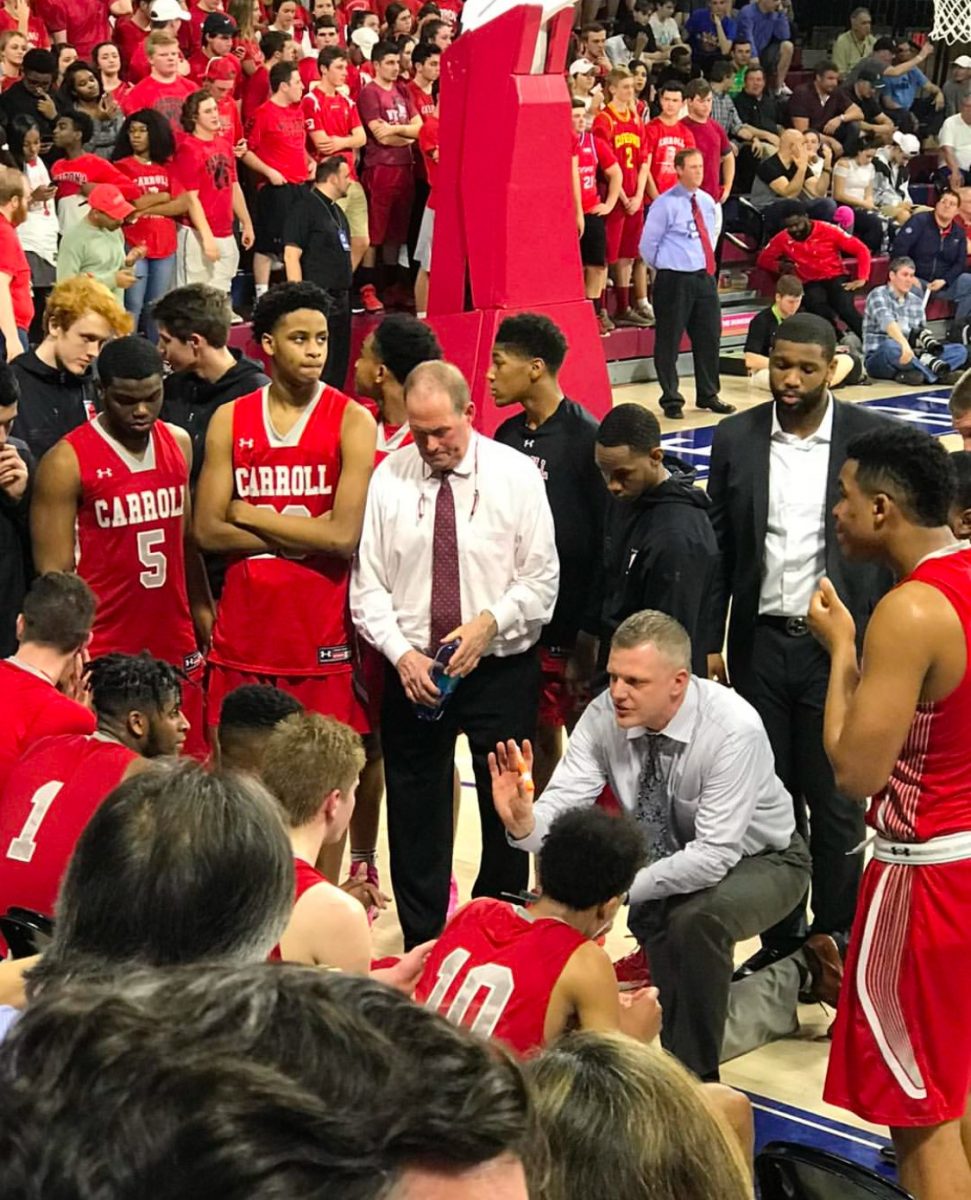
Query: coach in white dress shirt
[457,544]
[692,762]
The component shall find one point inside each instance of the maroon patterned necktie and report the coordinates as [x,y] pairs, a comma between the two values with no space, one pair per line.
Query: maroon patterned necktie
[446,583]
[703,234]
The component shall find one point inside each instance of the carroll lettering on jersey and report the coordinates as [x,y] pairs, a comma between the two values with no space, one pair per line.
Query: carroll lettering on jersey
[299,480]
[140,508]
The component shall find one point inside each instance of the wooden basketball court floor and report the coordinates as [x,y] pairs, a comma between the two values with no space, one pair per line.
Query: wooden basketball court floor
[785,1078]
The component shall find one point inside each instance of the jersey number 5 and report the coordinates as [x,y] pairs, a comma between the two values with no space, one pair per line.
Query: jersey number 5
[25,843]
[492,978]
[152,558]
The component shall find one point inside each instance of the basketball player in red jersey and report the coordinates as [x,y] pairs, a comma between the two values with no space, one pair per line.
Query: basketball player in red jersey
[38,683]
[282,494]
[122,481]
[620,127]
[53,790]
[526,974]
[896,729]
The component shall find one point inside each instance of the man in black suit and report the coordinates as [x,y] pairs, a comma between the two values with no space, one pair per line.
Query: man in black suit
[773,485]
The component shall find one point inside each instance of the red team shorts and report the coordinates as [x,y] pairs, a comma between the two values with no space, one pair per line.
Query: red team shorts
[623,233]
[330,695]
[901,1051]
[391,193]
[194,711]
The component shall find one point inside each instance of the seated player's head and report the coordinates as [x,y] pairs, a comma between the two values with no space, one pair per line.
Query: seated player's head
[625,1119]
[894,482]
[191,320]
[80,316]
[249,1083]
[960,514]
[311,764]
[391,352]
[628,452]
[440,413]
[138,699]
[960,408]
[177,865]
[587,864]
[130,386]
[58,612]
[290,324]
[248,716]
[649,669]
[802,363]
[528,353]
[788,295]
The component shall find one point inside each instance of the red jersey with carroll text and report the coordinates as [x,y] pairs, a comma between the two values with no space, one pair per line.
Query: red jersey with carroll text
[31,707]
[624,134]
[662,142]
[49,797]
[494,968]
[286,614]
[130,538]
[593,156]
[156,234]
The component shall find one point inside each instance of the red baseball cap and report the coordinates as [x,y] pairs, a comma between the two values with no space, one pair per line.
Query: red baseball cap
[221,68]
[107,198]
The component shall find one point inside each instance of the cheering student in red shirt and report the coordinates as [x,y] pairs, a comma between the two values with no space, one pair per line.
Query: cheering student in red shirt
[164,89]
[218,32]
[392,125]
[334,127]
[219,82]
[76,173]
[278,152]
[168,16]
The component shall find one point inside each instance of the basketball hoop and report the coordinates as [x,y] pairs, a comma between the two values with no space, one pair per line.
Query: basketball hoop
[952,21]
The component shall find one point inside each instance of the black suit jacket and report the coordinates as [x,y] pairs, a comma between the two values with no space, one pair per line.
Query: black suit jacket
[738,485]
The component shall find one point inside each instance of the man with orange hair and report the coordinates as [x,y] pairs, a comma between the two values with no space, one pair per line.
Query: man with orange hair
[56,382]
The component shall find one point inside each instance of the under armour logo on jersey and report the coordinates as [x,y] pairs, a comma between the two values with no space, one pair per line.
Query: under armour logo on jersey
[246,443]
[105,474]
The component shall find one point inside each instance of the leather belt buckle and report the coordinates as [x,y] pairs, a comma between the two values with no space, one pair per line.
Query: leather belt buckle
[797,626]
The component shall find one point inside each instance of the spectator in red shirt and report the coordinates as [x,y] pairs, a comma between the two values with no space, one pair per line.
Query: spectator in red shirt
[325,38]
[13,47]
[712,140]
[77,171]
[256,85]
[13,15]
[107,65]
[164,89]
[599,180]
[167,16]
[130,32]
[16,304]
[190,33]
[428,144]
[392,126]
[426,61]
[218,32]
[86,22]
[815,250]
[438,33]
[663,138]
[277,151]
[205,166]
[399,22]
[219,82]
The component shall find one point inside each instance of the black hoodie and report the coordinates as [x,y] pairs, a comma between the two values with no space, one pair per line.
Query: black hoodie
[52,402]
[191,400]
[660,552]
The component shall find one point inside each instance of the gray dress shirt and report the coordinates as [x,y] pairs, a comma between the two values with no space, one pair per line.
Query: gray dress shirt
[726,800]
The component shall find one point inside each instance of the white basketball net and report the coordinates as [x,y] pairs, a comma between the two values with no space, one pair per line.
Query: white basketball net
[952,21]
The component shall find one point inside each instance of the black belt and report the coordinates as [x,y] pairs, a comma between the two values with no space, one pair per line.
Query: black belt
[793,626]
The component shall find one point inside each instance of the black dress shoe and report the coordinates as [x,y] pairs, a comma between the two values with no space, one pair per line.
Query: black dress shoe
[674,414]
[715,405]
[759,961]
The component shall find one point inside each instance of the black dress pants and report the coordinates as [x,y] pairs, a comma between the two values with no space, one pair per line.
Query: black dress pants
[338,340]
[828,298]
[785,683]
[686,301]
[498,700]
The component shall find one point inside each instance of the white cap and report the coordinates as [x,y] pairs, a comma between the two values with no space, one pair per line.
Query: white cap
[365,39]
[581,66]
[907,142]
[168,10]
[962,60]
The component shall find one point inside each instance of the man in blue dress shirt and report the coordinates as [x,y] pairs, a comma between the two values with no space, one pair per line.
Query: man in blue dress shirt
[678,242]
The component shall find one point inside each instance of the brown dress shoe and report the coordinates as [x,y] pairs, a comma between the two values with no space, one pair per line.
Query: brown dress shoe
[825,967]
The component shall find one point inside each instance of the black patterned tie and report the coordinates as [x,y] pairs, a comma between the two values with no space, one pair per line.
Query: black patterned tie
[653,801]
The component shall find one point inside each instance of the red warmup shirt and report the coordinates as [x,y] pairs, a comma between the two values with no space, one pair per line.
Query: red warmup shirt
[209,168]
[286,614]
[304,878]
[393,105]
[593,156]
[712,140]
[31,708]
[71,174]
[50,795]
[493,971]
[128,37]
[624,134]
[156,234]
[279,138]
[661,143]
[130,533]
[166,98]
[428,145]
[199,65]
[334,115]
[38,37]
[13,262]
[86,24]
[819,256]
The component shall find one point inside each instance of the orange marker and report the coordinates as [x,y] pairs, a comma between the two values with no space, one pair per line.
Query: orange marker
[525,775]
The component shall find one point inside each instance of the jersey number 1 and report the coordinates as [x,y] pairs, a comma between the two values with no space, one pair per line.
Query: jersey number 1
[494,979]
[25,843]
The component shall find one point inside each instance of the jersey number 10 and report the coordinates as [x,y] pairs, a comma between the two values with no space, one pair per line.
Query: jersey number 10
[492,978]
